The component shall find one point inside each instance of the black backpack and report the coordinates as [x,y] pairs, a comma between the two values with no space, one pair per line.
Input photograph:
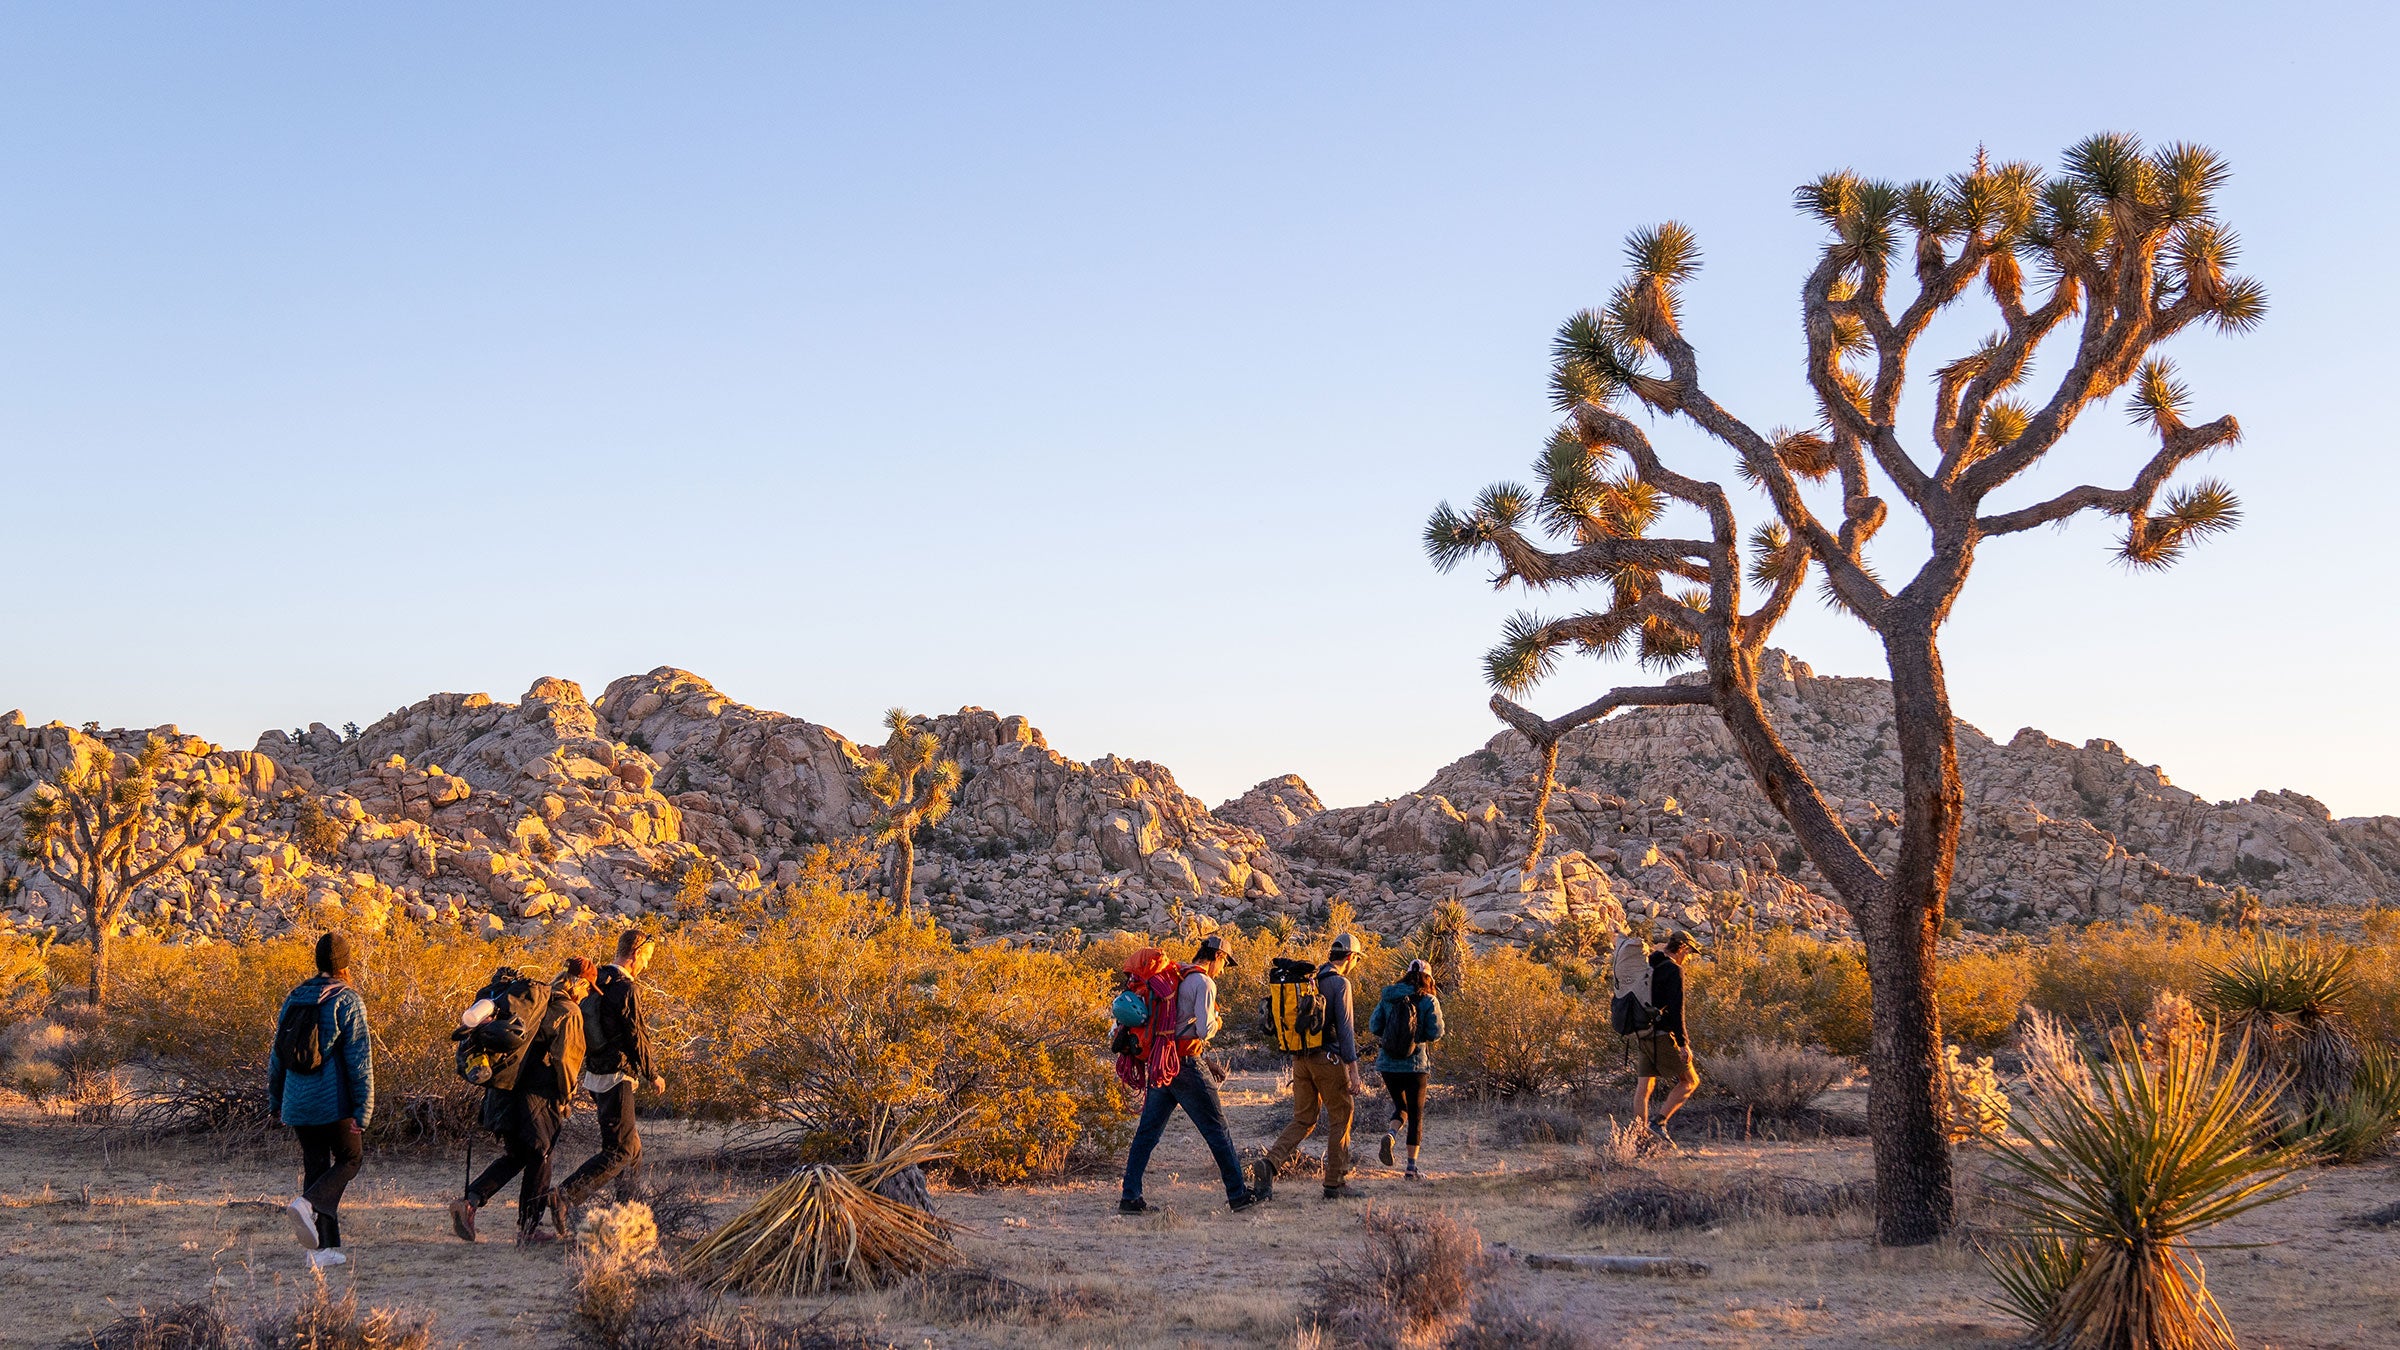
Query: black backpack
[300,1032]
[491,1051]
[1400,1026]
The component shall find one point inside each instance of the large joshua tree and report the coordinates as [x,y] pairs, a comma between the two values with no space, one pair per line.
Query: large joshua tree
[107,827]
[913,786]
[2129,252]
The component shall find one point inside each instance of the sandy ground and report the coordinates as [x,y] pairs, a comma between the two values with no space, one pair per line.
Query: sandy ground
[90,1228]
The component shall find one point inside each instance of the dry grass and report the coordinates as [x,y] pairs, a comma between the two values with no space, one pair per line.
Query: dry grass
[1411,1273]
[1776,1081]
[1658,1203]
[1538,1125]
[317,1321]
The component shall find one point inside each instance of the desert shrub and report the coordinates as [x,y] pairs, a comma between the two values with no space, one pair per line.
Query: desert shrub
[838,1013]
[975,1294]
[1513,1029]
[1778,986]
[1774,1080]
[24,976]
[2054,1063]
[1980,995]
[2106,974]
[1537,1125]
[316,832]
[2360,1123]
[317,1321]
[2109,1187]
[1411,1275]
[199,1325]
[1655,1203]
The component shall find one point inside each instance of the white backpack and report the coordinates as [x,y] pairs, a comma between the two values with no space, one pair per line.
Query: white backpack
[1631,1011]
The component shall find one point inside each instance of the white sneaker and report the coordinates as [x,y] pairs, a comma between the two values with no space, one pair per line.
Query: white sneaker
[330,1256]
[304,1221]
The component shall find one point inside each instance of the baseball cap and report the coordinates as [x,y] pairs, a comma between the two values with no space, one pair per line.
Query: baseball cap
[1344,945]
[1213,946]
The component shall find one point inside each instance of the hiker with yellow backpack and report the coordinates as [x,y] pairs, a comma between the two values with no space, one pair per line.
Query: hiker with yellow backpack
[1313,1022]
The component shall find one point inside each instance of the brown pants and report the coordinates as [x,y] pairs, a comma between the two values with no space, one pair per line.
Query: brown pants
[1319,1086]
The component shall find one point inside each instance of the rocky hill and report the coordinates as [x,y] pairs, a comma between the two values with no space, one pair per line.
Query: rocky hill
[555,809]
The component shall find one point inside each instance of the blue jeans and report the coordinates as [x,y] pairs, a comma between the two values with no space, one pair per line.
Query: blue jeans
[1197,1095]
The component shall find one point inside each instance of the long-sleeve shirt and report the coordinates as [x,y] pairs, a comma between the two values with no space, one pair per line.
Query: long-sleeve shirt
[1666,995]
[1341,1024]
[1196,1018]
[618,1048]
[345,1086]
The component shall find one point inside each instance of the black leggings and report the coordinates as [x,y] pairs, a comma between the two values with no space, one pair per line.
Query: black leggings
[329,1158]
[1408,1099]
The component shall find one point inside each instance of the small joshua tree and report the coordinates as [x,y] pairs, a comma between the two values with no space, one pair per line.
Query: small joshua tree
[913,785]
[107,827]
[2126,239]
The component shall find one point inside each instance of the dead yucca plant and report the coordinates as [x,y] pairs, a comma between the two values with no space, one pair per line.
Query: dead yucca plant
[826,1226]
[2112,1183]
[1775,1079]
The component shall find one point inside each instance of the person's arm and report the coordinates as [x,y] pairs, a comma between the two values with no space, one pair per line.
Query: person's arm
[1429,1018]
[1375,1019]
[1345,1020]
[358,1056]
[1668,986]
[637,1035]
[275,1077]
[1196,1000]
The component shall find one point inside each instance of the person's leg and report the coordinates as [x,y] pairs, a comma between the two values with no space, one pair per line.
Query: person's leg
[1685,1085]
[534,1144]
[1196,1092]
[324,1194]
[316,1159]
[1304,1112]
[488,1182]
[1157,1105]
[1641,1101]
[620,1146]
[1408,1089]
[1340,1105]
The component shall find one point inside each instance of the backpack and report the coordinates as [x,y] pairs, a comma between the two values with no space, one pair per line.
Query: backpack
[300,1032]
[490,1052]
[1144,1016]
[1297,1017]
[1399,1026]
[1631,1012]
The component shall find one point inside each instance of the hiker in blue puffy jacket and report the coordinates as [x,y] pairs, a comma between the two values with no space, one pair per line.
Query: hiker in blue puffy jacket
[1404,1073]
[328,1110]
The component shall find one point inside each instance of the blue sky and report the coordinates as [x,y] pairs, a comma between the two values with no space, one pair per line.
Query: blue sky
[1099,364]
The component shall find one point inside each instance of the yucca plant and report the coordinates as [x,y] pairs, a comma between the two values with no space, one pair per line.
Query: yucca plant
[2112,1183]
[2361,1123]
[2287,998]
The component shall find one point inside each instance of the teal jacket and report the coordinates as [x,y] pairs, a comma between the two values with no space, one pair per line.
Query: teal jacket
[1429,1028]
[345,1087]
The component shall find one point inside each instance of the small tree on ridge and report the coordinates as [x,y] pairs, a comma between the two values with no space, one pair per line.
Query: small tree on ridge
[2126,238]
[914,786]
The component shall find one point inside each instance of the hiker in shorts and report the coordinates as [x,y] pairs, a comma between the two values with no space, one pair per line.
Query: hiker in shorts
[321,1082]
[1324,1083]
[616,1060]
[529,1109]
[1406,1018]
[1193,1088]
[1664,1051]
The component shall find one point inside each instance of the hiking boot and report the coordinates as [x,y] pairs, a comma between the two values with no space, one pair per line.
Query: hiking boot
[1137,1205]
[1262,1179]
[304,1221]
[462,1220]
[1387,1150]
[1249,1200]
[330,1256]
[1345,1191]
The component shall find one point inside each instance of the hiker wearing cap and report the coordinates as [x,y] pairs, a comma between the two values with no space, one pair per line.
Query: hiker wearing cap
[1196,1024]
[321,1082]
[1407,1017]
[527,1105]
[1325,1083]
[1663,1051]
[616,1061]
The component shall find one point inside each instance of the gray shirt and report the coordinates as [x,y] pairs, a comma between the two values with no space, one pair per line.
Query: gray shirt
[1343,1043]
[1196,1008]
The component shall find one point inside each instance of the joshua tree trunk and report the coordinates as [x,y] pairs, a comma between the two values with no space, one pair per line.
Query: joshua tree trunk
[96,987]
[904,871]
[1546,776]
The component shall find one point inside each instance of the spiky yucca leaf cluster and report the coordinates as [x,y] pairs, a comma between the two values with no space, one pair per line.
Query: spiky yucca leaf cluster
[2113,1182]
[2287,996]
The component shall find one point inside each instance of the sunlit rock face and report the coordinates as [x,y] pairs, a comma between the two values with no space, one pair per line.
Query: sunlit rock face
[558,809]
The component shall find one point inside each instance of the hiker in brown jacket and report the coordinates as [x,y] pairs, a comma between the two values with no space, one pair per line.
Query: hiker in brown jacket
[528,1111]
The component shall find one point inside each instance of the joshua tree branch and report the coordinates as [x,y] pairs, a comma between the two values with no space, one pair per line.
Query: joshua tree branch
[2181,445]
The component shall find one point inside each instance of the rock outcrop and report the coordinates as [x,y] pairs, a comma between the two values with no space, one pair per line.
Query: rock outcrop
[555,809]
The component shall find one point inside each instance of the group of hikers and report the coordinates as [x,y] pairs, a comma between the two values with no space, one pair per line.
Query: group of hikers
[535,1046]
[1167,1019]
